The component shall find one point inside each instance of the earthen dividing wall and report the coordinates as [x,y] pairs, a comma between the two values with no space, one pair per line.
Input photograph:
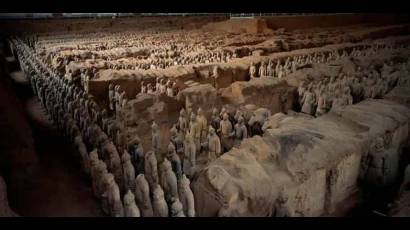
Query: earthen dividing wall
[300,159]
[239,26]
[236,70]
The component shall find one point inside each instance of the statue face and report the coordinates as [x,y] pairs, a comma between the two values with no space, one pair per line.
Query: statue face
[193,116]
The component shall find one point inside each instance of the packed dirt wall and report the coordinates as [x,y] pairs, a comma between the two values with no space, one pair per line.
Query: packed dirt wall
[301,171]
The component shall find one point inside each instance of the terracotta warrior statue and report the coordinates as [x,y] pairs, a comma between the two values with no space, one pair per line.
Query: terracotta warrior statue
[214,145]
[173,157]
[186,196]
[168,181]
[155,137]
[113,195]
[142,196]
[130,208]
[189,162]
[159,204]
[150,169]
[128,172]
[252,71]
[203,124]
[226,133]
[177,209]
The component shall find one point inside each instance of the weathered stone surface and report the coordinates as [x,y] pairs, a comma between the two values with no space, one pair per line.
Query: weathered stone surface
[241,173]
[299,160]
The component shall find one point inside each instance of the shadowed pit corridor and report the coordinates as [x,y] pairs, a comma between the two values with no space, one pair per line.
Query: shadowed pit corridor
[59,188]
